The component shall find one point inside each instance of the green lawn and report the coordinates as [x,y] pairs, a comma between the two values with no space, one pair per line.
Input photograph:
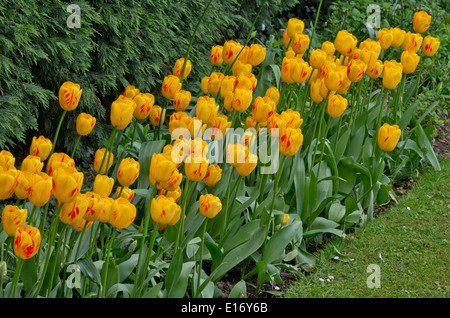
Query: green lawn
[409,245]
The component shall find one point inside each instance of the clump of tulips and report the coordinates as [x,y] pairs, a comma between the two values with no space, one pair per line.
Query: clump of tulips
[204,195]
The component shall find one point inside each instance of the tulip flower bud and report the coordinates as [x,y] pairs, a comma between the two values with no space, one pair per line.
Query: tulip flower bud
[144,103]
[40,147]
[94,207]
[27,241]
[294,26]
[172,183]
[23,184]
[286,69]
[179,120]
[164,210]
[291,139]
[32,164]
[126,193]
[421,21]
[336,105]
[130,92]
[227,85]
[300,43]
[412,42]
[385,38]
[156,117]
[236,154]
[161,168]
[356,70]
[345,42]
[122,110]
[81,225]
[7,158]
[398,36]
[171,85]
[57,160]
[344,87]
[216,55]
[248,139]
[195,167]
[317,58]
[219,127]
[243,55]
[284,219]
[103,217]
[409,61]
[182,100]
[430,45]
[12,218]
[248,166]
[328,47]
[292,118]
[256,54]
[9,176]
[334,77]
[245,81]
[263,108]
[230,51]
[41,189]
[128,171]
[103,185]
[250,122]
[209,205]
[178,68]
[213,175]
[107,162]
[67,183]
[85,124]
[388,137]
[300,70]
[213,83]
[374,71]
[240,67]
[315,90]
[74,211]
[274,94]
[69,95]
[392,74]
[204,84]
[286,39]
[241,99]
[122,213]
[206,109]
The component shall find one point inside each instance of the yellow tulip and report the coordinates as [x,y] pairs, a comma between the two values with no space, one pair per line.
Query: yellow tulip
[218,128]
[12,218]
[81,225]
[206,109]
[24,183]
[103,185]
[213,83]
[172,183]
[73,212]
[256,54]
[412,42]
[345,42]
[274,94]
[263,108]
[164,210]
[196,127]
[171,85]
[144,103]
[236,154]
[122,213]
[421,21]
[179,120]
[240,67]
[213,175]
[216,55]
[181,100]
[178,68]
[430,45]
[209,205]
[294,26]
[126,193]
[7,158]
[41,189]
[243,55]
[27,241]
[317,58]
[128,171]
[67,183]
[398,37]
[275,124]
[227,85]
[388,137]
[248,165]
[32,164]
[336,105]
[335,76]
[291,139]
[392,74]
[328,47]
[58,159]
[103,217]
[315,90]
[250,122]
[286,39]
[292,118]
[155,115]
[409,61]
[175,194]
[345,86]
[300,43]
[245,81]
[85,124]
[69,95]
[385,38]
[130,91]
[230,51]
[94,207]
[107,162]
[284,219]
[195,167]
[286,67]
[9,176]
[374,71]
[356,70]
[300,70]
[40,147]
[122,110]
[241,99]
[161,168]
[368,57]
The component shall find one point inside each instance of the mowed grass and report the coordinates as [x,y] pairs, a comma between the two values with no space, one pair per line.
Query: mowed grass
[409,244]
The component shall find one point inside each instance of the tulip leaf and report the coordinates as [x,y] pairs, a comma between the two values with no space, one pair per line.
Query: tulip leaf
[239,290]
[425,143]
[145,157]
[29,273]
[336,212]
[88,268]
[125,268]
[179,289]
[275,247]
[154,292]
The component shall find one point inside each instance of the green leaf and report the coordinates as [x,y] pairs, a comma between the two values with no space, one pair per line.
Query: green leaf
[275,247]
[127,267]
[423,142]
[336,212]
[179,289]
[239,290]
[145,157]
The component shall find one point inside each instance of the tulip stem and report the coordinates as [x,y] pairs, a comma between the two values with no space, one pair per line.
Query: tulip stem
[57,133]
[225,215]
[323,144]
[161,117]
[186,191]
[75,147]
[106,264]
[205,223]
[380,115]
[316,145]
[418,80]
[108,146]
[16,278]
[314,29]
[52,271]
[134,131]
